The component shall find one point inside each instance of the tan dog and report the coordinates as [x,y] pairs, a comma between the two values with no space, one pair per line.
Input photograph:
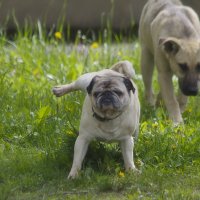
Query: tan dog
[110,111]
[170,38]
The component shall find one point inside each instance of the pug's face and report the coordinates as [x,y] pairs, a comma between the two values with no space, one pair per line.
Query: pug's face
[110,95]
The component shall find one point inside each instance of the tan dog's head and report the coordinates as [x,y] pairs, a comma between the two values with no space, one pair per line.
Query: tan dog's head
[110,95]
[184,61]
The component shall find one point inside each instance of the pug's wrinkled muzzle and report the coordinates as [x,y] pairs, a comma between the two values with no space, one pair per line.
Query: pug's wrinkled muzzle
[108,101]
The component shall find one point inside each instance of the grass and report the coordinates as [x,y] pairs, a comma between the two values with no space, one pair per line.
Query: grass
[37,130]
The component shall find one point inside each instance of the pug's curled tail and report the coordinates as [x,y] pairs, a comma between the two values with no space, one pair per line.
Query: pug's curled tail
[124,67]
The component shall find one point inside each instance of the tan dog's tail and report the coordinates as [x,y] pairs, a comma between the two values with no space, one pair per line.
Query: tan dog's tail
[124,67]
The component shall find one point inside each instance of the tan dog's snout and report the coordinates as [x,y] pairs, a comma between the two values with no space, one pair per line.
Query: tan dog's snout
[189,84]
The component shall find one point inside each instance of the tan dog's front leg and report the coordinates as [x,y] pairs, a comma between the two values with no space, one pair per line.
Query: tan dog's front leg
[167,91]
[127,145]
[80,149]
[182,100]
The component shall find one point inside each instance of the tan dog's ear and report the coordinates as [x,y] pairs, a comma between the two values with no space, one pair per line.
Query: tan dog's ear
[169,45]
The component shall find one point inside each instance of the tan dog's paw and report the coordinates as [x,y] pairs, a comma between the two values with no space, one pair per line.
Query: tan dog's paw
[73,175]
[151,100]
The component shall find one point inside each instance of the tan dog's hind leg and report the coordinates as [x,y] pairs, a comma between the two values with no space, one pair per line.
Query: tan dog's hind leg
[167,91]
[147,66]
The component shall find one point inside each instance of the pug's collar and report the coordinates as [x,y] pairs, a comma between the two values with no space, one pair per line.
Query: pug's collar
[103,119]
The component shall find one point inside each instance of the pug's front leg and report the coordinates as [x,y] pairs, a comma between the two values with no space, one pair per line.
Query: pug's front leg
[127,146]
[80,149]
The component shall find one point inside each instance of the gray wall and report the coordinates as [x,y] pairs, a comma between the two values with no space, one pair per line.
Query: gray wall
[77,13]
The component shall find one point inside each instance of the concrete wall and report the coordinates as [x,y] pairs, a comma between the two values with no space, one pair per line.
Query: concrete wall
[77,13]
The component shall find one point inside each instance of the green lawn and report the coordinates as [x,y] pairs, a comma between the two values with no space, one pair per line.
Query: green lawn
[38,130]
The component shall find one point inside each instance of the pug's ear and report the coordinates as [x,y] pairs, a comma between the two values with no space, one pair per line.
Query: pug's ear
[90,86]
[129,85]
[169,45]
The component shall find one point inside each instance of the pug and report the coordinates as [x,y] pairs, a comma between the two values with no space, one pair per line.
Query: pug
[111,111]
[169,34]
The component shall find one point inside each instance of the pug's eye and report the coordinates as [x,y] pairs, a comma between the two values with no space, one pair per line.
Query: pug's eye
[184,67]
[198,67]
[118,93]
[95,94]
